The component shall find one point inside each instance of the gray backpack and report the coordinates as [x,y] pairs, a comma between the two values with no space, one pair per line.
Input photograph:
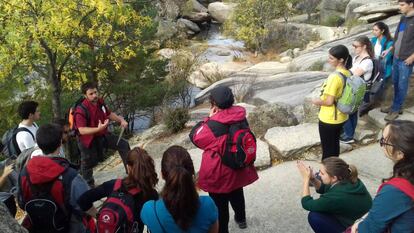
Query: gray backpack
[352,94]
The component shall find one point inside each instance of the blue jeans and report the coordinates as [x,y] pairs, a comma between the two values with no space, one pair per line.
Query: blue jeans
[324,223]
[400,76]
[350,126]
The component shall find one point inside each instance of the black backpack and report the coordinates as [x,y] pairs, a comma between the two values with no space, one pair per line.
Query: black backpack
[117,212]
[47,205]
[11,148]
[240,148]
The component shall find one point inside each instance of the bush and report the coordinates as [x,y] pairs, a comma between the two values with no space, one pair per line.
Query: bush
[317,66]
[175,119]
[333,21]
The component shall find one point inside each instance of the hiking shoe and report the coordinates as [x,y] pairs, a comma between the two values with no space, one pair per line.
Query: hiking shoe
[388,110]
[347,141]
[391,116]
[242,224]
[385,109]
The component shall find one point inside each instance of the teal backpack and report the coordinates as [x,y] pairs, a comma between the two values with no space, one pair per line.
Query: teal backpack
[352,94]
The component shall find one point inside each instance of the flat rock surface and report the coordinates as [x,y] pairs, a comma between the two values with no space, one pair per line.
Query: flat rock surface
[292,140]
[377,117]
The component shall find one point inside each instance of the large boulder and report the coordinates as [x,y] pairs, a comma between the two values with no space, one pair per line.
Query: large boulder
[166,29]
[291,142]
[170,9]
[166,53]
[221,11]
[268,68]
[353,4]
[206,75]
[270,115]
[332,8]
[308,60]
[291,35]
[289,88]
[373,17]
[377,7]
[311,111]
[7,223]
[198,17]
[198,7]
[187,24]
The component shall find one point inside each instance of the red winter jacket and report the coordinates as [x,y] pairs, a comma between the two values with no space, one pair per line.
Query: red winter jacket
[214,177]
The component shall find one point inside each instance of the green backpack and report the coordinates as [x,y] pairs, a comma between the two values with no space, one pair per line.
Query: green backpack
[352,94]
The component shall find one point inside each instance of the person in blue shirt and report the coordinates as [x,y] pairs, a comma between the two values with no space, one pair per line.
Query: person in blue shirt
[393,208]
[382,41]
[180,208]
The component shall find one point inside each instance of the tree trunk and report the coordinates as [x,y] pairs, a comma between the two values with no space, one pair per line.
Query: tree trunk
[56,91]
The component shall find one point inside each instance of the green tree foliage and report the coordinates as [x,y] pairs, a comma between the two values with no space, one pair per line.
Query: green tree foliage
[67,41]
[250,18]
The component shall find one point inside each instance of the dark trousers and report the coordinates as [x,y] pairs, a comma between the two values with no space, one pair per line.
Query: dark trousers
[90,156]
[329,134]
[236,199]
[324,223]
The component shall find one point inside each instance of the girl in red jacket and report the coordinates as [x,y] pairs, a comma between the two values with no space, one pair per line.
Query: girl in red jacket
[223,183]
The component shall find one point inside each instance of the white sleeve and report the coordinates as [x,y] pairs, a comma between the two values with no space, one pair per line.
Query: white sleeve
[25,140]
[367,66]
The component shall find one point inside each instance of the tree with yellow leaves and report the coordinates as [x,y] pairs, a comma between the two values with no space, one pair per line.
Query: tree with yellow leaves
[53,38]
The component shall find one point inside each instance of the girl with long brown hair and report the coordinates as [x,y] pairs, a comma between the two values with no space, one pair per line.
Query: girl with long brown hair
[141,177]
[180,209]
[363,67]
[393,209]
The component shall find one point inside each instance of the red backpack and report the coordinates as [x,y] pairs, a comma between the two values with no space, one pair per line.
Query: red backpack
[47,204]
[117,212]
[240,148]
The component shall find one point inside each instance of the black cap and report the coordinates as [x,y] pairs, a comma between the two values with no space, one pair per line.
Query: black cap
[222,97]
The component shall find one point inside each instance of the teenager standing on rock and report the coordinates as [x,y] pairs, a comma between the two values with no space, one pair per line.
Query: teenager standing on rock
[331,119]
[402,67]
[362,66]
[224,184]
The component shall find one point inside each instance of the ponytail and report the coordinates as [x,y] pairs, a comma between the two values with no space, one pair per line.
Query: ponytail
[179,193]
[353,171]
[348,62]
[337,167]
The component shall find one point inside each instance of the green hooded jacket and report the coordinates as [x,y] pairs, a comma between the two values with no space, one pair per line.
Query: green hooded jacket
[346,201]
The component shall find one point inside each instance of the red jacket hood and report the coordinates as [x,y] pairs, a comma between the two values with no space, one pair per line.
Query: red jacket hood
[42,169]
[230,115]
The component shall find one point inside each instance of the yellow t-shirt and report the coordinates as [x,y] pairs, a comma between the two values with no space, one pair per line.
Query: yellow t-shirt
[333,86]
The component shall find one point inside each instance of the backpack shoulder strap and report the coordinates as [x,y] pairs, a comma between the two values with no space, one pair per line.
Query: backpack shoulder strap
[14,138]
[402,184]
[218,128]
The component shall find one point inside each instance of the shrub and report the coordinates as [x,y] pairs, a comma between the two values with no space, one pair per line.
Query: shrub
[317,66]
[333,21]
[175,119]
